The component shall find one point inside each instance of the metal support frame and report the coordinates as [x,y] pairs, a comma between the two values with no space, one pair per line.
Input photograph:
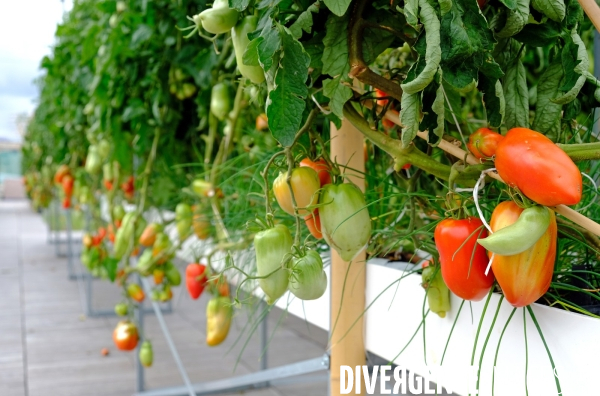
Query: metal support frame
[260,379]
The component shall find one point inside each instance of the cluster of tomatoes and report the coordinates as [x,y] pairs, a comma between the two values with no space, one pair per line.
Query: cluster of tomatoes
[522,247]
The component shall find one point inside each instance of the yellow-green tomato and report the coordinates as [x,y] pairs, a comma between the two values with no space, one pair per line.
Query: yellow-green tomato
[345,221]
[218,19]
[239,37]
[272,247]
[305,185]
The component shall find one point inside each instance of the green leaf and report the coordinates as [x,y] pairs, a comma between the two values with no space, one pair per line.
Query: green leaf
[516,19]
[452,103]
[338,7]
[287,100]
[239,5]
[111,267]
[140,36]
[539,35]
[493,99]
[433,54]
[445,6]
[574,14]
[411,11]
[553,9]
[548,114]
[582,64]
[335,56]
[250,57]
[433,111]
[410,117]
[304,21]
[516,96]
[267,48]
[511,4]
[338,94]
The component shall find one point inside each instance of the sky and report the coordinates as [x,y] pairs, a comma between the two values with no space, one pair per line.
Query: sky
[26,35]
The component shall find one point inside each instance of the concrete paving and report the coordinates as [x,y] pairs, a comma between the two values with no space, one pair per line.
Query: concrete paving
[48,346]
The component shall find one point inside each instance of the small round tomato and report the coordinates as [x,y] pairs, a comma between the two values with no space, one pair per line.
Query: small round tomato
[484,142]
[125,335]
[463,260]
[321,167]
[305,185]
[313,223]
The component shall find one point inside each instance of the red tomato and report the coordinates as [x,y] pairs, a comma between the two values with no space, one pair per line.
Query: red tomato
[67,185]
[195,279]
[543,172]
[313,223]
[484,142]
[524,277]
[101,232]
[125,335]
[381,94]
[111,233]
[463,268]
[66,203]
[321,167]
[108,184]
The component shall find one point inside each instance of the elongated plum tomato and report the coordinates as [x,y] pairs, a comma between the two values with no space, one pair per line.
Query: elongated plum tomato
[543,172]
[308,281]
[524,277]
[195,279]
[125,335]
[305,184]
[313,223]
[218,320]
[438,295]
[345,221]
[271,247]
[463,260]
[320,166]
[484,142]
[146,355]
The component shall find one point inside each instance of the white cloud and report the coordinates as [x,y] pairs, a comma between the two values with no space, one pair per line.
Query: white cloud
[27,29]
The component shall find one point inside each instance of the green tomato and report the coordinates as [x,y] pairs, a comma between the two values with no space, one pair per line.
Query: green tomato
[145,262]
[218,19]
[239,37]
[521,235]
[104,149]
[118,212]
[124,234]
[183,220]
[93,162]
[271,247]
[438,294]
[345,221]
[121,309]
[220,102]
[146,355]
[308,281]
[172,274]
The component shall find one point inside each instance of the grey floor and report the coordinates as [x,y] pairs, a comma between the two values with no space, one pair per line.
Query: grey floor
[49,347]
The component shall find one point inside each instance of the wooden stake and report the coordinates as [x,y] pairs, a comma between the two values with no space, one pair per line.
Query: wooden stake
[347,149]
[593,12]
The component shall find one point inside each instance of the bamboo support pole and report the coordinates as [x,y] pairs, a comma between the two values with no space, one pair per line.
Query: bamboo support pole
[593,12]
[347,305]
[456,151]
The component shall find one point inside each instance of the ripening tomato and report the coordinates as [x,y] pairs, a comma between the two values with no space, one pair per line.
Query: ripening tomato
[484,142]
[148,236]
[313,223]
[262,123]
[87,240]
[305,185]
[125,335]
[135,292]
[542,171]
[108,184]
[218,320]
[524,277]
[111,233]
[201,225]
[381,94]
[159,276]
[60,173]
[463,260]
[321,167]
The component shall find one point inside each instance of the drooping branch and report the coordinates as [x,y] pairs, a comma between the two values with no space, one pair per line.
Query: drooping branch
[358,68]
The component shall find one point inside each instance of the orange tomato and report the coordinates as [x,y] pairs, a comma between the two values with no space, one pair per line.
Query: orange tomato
[321,167]
[483,143]
[313,223]
[304,182]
